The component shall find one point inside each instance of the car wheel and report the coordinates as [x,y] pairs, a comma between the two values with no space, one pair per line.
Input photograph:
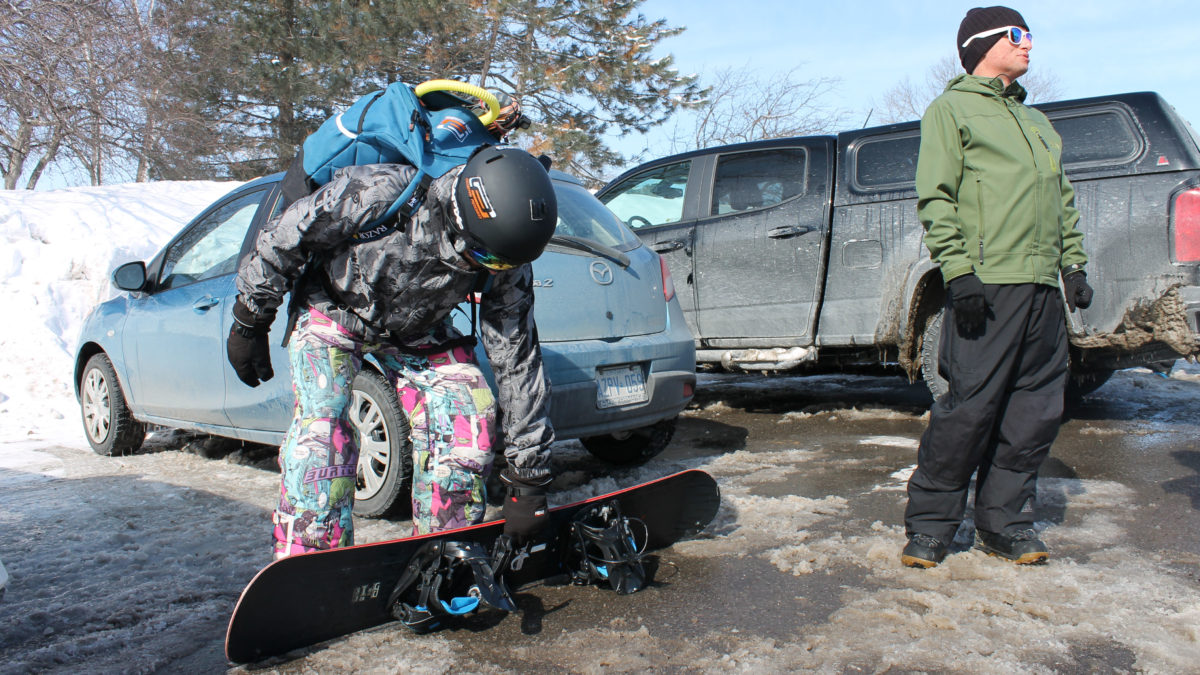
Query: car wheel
[931,345]
[632,447]
[110,428]
[384,453]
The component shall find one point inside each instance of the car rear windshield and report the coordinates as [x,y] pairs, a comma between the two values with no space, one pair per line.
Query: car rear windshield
[581,215]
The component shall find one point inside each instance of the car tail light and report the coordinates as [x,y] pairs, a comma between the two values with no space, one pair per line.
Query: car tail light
[1185,226]
[668,283]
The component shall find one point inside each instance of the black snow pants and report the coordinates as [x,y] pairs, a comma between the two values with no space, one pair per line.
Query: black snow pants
[999,417]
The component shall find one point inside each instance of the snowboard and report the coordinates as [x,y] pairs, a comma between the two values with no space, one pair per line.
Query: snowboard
[303,600]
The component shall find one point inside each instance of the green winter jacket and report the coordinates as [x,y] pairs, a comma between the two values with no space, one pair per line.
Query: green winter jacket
[991,192]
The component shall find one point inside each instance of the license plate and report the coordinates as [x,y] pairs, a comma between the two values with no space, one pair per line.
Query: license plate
[620,386]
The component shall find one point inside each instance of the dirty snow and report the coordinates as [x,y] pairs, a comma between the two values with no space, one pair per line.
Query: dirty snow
[132,564]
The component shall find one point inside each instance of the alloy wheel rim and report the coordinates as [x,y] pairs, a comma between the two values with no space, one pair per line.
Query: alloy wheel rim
[97,406]
[374,449]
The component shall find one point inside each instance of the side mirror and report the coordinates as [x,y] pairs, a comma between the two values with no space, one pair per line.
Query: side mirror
[130,276]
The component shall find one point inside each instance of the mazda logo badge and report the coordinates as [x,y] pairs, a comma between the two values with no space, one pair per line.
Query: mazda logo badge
[601,273]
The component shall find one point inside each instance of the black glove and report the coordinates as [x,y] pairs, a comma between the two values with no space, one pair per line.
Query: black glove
[1078,293]
[970,307]
[247,348]
[525,511]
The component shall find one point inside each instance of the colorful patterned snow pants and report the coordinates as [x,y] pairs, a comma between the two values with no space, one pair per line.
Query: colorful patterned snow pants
[450,410]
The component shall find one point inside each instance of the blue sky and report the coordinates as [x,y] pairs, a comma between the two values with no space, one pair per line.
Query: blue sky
[1092,47]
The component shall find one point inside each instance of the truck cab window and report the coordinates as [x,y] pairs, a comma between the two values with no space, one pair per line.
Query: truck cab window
[887,163]
[752,180]
[653,197]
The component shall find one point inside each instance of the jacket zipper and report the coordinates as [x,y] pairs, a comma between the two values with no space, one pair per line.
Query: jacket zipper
[1047,147]
[979,202]
[1038,202]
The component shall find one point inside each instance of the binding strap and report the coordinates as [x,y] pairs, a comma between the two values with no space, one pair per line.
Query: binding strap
[604,549]
[446,579]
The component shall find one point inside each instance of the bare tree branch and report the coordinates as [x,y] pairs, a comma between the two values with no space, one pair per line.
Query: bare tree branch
[743,106]
[907,100]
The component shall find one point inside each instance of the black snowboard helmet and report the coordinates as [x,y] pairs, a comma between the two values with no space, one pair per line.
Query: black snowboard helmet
[506,208]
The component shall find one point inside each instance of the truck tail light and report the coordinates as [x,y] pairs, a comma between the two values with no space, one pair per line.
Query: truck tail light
[1185,226]
[669,283]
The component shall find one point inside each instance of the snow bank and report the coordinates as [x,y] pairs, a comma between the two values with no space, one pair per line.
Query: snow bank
[60,248]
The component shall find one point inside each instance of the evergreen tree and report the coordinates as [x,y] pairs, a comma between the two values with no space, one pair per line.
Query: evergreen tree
[583,69]
[230,88]
[269,71]
[260,72]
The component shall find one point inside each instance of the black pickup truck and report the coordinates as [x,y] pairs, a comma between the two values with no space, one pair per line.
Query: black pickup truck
[807,251]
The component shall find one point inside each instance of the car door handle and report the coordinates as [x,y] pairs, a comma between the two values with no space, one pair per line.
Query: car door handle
[206,303]
[664,246]
[790,231]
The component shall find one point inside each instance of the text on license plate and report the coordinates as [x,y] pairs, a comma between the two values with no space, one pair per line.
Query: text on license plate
[620,386]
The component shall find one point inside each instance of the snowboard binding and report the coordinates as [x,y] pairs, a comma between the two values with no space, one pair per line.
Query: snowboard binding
[448,579]
[603,548]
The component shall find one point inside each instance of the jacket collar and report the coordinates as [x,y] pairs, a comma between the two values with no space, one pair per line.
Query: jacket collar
[987,86]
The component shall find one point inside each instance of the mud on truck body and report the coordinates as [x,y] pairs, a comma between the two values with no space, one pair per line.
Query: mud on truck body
[807,252]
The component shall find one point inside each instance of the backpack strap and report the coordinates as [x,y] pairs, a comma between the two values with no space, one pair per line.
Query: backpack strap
[399,213]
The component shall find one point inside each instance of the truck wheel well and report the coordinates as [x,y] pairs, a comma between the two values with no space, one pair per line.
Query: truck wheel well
[928,297]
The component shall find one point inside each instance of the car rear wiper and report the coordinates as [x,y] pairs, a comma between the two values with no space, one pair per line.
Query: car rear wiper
[581,244]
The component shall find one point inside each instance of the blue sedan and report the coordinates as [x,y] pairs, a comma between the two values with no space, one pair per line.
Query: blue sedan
[619,356]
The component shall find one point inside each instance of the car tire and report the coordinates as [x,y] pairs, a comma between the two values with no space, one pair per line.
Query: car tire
[931,345]
[107,422]
[384,482]
[632,447]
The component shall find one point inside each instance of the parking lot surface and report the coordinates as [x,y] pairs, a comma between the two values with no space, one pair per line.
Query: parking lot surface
[134,563]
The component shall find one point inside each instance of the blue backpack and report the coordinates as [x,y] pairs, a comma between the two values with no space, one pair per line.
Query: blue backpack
[423,127]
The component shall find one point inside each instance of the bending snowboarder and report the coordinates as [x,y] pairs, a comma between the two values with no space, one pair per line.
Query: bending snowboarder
[391,297]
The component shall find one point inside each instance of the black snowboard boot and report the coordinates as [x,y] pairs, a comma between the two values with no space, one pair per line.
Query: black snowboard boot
[1022,547]
[923,551]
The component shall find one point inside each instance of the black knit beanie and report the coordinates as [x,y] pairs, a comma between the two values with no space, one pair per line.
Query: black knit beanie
[978,20]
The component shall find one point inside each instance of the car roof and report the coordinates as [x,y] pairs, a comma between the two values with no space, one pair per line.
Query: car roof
[555,174]
[264,180]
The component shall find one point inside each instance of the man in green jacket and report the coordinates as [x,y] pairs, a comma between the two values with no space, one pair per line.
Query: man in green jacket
[1000,220]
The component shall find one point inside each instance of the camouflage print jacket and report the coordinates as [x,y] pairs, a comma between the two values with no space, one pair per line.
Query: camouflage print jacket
[402,287]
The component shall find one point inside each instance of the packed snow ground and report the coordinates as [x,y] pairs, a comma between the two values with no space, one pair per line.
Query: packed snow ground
[133,564]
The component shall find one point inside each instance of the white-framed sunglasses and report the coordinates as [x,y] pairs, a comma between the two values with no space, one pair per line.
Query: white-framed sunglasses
[1016,35]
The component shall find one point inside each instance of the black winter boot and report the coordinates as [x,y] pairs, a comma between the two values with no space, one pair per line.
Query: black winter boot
[923,551]
[1022,547]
